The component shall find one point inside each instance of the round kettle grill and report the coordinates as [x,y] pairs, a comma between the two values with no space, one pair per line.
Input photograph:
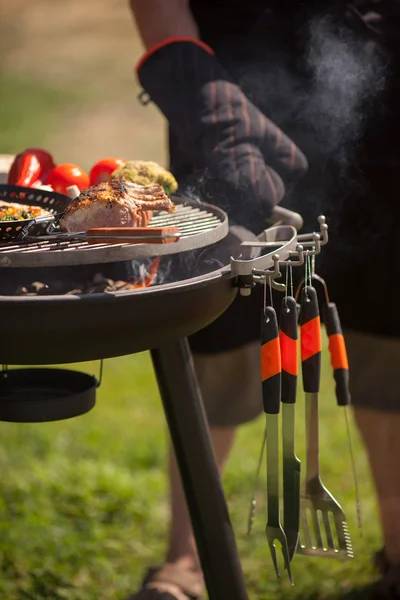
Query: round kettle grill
[71,328]
[56,329]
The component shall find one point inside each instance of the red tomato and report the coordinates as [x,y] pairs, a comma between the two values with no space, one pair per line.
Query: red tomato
[62,176]
[102,170]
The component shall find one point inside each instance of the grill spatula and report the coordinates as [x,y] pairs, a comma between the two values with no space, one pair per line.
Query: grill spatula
[324,530]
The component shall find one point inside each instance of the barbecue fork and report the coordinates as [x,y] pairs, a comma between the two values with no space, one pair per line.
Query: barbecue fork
[271,391]
[324,530]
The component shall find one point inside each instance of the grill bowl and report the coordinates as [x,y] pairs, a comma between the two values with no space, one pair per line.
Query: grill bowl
[51,201]
[69,329]
[40,395]
[59,329]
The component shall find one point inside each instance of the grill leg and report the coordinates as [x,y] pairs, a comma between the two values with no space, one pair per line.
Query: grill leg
[200,478]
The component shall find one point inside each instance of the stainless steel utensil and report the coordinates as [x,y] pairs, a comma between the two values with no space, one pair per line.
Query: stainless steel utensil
[324,530]
[288,336]
[340,366]
[118,235]
[271,391]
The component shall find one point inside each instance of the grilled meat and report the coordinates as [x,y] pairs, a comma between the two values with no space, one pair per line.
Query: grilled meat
[115,203]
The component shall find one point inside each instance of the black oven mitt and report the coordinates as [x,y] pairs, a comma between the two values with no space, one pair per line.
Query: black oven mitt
[237,157]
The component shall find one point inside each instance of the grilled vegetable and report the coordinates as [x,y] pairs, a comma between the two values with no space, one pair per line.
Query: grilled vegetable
[31,166]
[146,172]
[12,211]
[102,170]
[66,174]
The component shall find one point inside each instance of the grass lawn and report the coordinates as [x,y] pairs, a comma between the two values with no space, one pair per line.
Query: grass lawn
[83,503]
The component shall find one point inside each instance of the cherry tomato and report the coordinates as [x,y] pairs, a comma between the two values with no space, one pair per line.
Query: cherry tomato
[62,176]
[102,170]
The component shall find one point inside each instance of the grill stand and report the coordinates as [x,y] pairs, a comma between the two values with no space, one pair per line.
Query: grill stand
[205,498]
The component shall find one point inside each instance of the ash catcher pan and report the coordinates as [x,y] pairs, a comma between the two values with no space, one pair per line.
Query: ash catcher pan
[43,395]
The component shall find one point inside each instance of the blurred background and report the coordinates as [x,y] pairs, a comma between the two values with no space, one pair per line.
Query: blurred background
[75,60]
[84,503]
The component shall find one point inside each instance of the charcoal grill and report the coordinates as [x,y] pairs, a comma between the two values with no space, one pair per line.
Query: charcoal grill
[65,329]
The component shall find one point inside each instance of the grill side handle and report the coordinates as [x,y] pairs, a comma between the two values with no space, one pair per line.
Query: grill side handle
[284,216]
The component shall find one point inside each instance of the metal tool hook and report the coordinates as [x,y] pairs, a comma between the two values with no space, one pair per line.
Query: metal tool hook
[322,235]
[299,253]
[271,275]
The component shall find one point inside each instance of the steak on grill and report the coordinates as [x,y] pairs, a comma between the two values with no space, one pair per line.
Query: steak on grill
[115,203]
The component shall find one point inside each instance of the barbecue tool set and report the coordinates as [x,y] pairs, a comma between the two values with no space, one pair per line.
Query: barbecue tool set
[314,523]
[171,312]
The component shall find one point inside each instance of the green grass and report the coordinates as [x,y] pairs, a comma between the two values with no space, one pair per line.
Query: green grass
[83,503]
[28,111]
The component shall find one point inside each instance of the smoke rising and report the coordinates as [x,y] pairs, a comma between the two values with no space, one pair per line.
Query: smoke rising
[325,89]
[326,98]
[347,76]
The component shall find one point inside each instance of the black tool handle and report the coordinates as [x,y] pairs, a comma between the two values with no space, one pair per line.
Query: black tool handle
[270,362]
[288,338]
[338,353]
[310,340]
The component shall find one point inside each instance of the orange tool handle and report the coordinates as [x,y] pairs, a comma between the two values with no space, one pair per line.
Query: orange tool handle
[310,340]
[271,366]
[338,353]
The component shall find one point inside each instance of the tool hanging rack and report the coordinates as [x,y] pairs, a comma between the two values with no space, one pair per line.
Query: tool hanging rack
[287,248]
[296,534]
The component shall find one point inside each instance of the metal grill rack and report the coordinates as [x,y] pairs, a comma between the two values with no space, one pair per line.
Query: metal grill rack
[198,226]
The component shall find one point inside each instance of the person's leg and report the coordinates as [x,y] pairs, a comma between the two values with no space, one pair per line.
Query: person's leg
[375,387]
[380,432]
[182,547]
[230,387]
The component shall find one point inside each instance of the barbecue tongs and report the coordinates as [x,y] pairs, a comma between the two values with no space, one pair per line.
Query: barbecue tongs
[101,235]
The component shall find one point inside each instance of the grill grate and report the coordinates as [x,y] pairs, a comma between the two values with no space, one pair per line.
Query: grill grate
[200,225]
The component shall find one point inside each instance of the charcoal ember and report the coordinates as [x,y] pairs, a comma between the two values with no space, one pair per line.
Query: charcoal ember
[98,278]
[21,291]
[46,291]
[58,286]
[96,289]
[38,287]
[96,285]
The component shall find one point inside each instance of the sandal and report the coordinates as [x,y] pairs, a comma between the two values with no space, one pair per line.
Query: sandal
[170,583]
[388,587]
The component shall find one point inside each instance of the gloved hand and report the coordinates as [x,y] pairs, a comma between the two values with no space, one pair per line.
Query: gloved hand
[238,156]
